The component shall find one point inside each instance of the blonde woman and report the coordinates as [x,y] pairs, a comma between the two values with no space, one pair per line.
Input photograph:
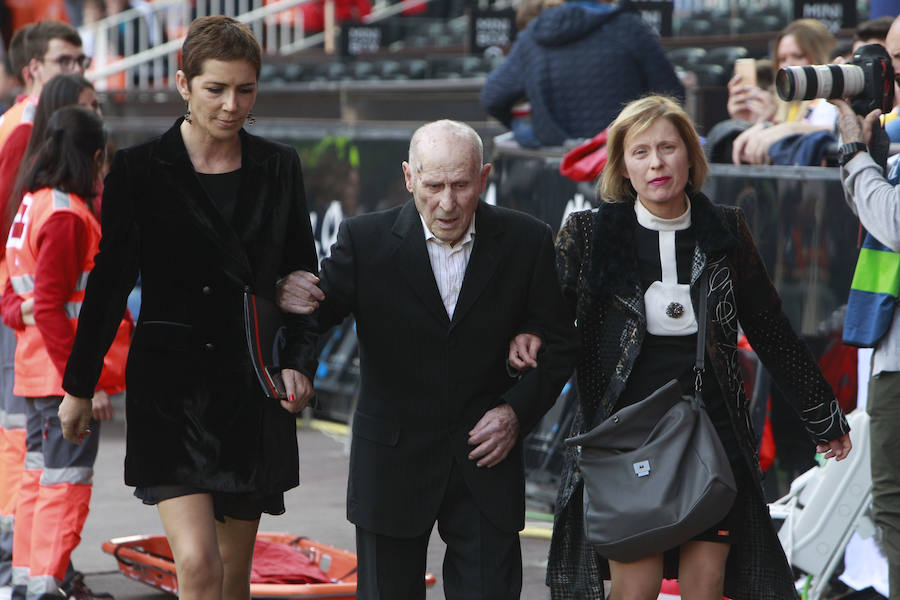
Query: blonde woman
[629,272]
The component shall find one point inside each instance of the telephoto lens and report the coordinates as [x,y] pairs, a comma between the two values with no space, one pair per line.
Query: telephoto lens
[867,81]
[819,81]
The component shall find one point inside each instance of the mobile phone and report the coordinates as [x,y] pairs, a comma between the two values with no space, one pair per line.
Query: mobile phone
[746,68]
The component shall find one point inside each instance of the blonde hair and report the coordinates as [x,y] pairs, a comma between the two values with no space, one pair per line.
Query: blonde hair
[812,37]
[635,118]
[816,43]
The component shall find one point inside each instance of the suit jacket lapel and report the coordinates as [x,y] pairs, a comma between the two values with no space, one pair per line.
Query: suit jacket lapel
[251,214]
[183,180]
[414,262]
[483,262]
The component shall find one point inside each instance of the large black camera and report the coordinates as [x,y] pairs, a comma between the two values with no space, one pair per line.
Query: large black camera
[868,79]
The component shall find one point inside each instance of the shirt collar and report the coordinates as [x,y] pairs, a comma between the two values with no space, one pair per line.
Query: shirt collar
[467,237]
[647,219]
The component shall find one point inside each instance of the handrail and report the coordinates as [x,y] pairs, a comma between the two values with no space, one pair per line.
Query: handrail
[171,47]
[391,10]
[131,14]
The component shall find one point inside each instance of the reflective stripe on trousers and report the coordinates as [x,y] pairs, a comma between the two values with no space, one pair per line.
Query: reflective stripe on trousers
[59,501]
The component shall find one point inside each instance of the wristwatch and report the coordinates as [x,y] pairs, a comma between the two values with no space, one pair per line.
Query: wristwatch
[848,151]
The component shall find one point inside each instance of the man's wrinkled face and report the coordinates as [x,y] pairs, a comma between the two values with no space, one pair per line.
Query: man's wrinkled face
[446,179]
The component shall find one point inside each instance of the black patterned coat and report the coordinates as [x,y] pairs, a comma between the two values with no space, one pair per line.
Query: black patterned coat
[596,260]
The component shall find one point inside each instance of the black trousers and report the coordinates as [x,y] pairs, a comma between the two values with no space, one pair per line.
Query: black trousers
[481,561]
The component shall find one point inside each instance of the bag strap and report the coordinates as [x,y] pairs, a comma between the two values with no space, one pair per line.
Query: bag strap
[701,338]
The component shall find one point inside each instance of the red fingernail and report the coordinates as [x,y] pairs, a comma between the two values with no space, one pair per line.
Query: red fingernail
[291,397]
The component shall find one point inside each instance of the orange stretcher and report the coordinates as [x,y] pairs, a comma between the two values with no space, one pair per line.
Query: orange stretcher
[148,559]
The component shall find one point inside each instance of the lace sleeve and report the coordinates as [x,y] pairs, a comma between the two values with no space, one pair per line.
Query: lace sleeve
[785,355]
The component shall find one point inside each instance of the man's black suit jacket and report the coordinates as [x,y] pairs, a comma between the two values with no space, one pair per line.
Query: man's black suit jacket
[426,380]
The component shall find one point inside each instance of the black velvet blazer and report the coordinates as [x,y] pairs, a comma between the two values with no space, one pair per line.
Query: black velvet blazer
[195,411]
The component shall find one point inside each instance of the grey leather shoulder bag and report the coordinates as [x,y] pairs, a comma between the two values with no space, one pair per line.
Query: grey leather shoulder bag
[655,473]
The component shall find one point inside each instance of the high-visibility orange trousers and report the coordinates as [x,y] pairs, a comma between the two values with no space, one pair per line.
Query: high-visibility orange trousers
[12,464]
[53,504]
[12,450]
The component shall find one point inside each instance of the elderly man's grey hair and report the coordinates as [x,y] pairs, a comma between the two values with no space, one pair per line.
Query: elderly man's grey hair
[440,132]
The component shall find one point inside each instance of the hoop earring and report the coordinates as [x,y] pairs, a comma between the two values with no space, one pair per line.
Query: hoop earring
[251,120]
[187,115]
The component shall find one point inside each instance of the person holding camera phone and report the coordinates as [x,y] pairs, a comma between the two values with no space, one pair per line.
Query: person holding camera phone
[802,42]
[875,198]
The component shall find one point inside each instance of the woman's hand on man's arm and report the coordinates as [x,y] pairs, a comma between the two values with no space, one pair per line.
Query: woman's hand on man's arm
[523,351]
[299,293]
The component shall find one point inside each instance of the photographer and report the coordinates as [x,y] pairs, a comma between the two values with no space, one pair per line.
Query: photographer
[876,200]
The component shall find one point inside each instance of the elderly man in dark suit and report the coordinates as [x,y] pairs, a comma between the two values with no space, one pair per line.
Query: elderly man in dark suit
[439,288]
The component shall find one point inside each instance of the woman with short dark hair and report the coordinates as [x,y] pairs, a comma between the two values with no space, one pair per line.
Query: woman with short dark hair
[204,213]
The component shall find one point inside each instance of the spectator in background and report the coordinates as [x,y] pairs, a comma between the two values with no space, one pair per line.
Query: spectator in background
[49,48]
[520,122]
[578,64]
[873,31]
[802,42]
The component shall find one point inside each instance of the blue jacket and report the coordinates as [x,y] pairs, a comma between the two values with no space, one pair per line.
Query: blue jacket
[578,64]
[806,149]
